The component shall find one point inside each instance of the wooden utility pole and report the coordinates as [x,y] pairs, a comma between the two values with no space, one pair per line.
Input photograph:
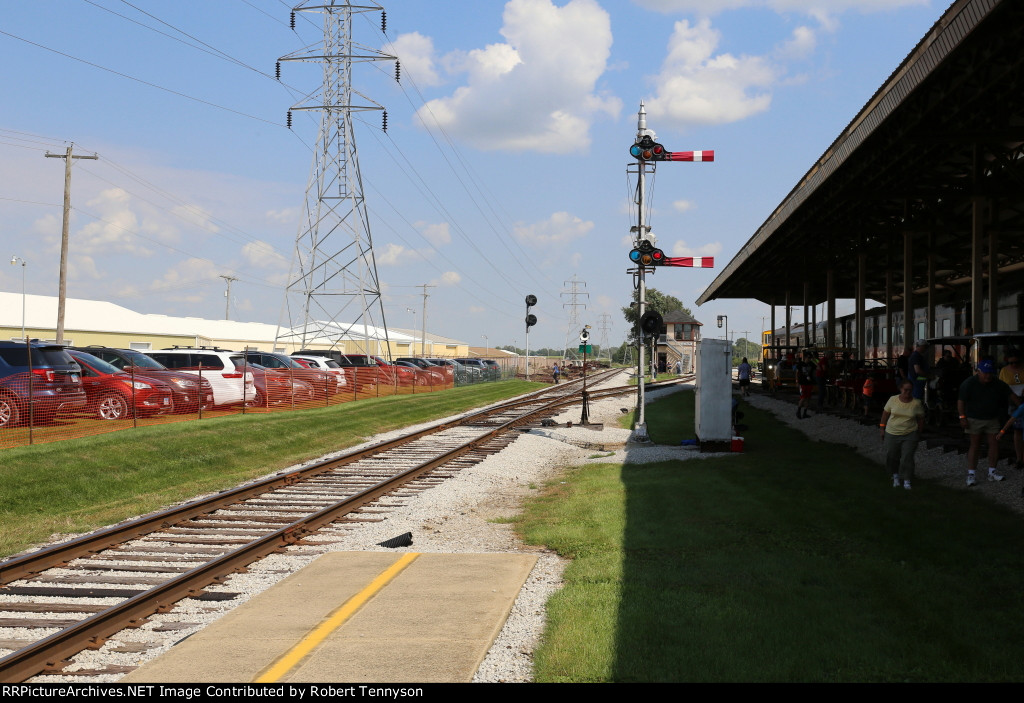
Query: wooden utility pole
[227,294]
[62,290]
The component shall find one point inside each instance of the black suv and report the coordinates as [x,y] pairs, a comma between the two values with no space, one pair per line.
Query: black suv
[44,373]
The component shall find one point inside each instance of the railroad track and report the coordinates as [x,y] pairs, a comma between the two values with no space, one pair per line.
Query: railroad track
[76,595]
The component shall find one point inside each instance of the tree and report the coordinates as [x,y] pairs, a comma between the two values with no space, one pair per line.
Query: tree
[745,348]
[654,300]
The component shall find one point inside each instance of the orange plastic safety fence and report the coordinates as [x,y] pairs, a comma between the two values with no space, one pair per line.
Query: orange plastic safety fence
[42,407]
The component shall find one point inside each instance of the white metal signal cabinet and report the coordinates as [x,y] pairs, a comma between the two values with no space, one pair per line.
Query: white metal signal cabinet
[714,391]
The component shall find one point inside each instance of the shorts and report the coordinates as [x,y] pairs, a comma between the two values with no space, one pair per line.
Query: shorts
[865,400]
[990,426]
[806,392]
[744,382]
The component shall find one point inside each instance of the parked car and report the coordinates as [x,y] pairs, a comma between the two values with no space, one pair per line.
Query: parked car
[189,389]
[478,365]
[275,387]
[231,385]
[43,373]
[325,364]
[421,377]
[461,374]
[113,394]
[361,371]
[493,368]
[323,383]
[440,374]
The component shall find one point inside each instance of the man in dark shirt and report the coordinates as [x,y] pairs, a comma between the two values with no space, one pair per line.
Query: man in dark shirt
[983,397]
[917,368]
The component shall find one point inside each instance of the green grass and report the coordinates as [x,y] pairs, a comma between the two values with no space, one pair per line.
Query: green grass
[81,484]
[795,561]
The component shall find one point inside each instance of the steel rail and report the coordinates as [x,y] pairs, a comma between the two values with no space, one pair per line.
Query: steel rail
[47,654]
[31,564]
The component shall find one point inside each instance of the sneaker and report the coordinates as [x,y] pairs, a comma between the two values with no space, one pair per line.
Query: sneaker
[906,484]
[993,476]
[895,481]
[970,480]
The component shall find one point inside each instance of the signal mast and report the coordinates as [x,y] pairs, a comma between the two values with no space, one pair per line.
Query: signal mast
[646,150]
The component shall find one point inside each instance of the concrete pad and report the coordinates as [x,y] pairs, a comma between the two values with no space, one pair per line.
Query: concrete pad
[433,623]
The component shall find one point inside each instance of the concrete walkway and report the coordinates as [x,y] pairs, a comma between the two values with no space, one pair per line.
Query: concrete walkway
[432,621]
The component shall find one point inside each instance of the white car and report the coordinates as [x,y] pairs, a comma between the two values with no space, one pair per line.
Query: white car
[231,385]
[325,364]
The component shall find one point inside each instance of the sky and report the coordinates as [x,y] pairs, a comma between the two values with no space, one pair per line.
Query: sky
[504,170]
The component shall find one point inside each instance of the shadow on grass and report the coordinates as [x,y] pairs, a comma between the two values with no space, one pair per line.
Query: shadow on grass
[797,561]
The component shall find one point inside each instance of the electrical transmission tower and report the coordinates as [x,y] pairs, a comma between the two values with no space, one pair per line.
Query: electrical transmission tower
[603,326]
[333,290]
[573,328]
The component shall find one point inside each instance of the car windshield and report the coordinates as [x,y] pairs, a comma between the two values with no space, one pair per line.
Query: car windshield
[96,363]
[144,362]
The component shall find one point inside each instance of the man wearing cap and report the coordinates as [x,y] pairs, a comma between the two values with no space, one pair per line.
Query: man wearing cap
[917,369]
[983,397]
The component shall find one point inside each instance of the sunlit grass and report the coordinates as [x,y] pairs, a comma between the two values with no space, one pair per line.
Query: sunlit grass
[80,484]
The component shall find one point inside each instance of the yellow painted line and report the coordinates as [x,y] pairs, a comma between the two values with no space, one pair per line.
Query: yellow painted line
[287,662]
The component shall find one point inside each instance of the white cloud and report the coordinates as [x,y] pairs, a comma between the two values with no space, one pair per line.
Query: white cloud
[559,229]
[190,273]
[682,205]
[117,229]
[448,278]
[415,52]
[680,248]
[392,255]
[538,91]
[286,215]
[807,7]
[697,87]
[437,234]
[263,255]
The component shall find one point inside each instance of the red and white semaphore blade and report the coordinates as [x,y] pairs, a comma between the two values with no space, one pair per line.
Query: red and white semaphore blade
[690,156]
[697,262]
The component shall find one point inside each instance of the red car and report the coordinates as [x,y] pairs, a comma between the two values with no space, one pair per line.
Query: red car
[275,388]
[115,395]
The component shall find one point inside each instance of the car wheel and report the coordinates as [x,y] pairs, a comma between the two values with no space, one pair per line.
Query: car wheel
[112,407]
[257,401]
[422,381]
[9,413]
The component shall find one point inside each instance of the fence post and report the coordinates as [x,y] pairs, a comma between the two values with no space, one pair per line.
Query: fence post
[201,390]
[31,388]
[135,418]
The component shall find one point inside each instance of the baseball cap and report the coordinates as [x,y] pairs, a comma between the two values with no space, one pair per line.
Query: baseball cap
[920,343]
[986,366]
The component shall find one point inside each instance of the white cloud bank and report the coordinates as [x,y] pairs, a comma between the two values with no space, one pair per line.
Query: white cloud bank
[536,92]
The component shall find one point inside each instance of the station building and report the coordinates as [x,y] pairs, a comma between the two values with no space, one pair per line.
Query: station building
[916,205]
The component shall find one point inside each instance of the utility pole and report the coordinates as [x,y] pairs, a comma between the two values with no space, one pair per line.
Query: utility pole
[63,287]
[227,295]
[423,332]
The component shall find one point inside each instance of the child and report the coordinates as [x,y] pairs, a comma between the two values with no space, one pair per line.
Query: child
[866,394]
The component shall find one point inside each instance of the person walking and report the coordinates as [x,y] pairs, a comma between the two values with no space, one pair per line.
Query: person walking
[805,379]
[900,429]
[821,378]
[1013,375]
[917,368]
[744,376]
[983,398]
[555,372]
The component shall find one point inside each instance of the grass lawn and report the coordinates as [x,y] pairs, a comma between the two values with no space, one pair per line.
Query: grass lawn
[80,484]
[794,561]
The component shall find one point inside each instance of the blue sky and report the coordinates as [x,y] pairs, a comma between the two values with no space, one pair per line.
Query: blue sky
[517,185]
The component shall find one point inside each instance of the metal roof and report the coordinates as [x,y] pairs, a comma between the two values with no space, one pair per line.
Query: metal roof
[947,126]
